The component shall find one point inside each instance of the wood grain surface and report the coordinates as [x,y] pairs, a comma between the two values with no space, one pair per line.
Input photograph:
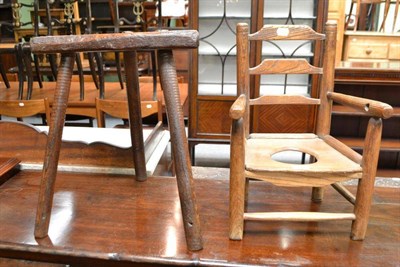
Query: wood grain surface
[106,220]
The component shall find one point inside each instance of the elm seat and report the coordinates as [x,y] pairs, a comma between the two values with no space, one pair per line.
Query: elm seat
[259,152]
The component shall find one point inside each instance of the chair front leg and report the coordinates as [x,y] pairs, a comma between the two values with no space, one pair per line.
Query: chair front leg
[81,78]
[365,188]
[37,69]
[92,67]
[237,181]
[100,68]
[119,70]
[4,75]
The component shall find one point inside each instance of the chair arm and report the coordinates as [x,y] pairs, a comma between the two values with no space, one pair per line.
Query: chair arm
[238,108]
[370,107]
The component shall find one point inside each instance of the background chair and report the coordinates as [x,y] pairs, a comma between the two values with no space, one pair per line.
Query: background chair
[21,31]
[331,162]
[70,24]
[25,108]
[130,15]
[119,109]
[366,13]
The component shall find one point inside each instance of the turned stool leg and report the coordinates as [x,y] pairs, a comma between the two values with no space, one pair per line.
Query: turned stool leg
[180,150]
[53,146]
[135,117]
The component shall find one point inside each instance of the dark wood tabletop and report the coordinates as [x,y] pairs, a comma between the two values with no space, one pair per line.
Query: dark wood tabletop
[113,220]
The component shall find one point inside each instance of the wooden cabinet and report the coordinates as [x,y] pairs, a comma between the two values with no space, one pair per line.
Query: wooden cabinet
[212,78]
[373,80]
[371,46]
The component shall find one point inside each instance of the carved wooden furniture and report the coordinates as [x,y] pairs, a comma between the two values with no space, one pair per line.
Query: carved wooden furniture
[212,79]
[25,108]
[253,155]
[131,16]
[128,43]
[119,109]
[95,232]
[8,168]
[24,70]
[364,19]
[72,23]
[375,35]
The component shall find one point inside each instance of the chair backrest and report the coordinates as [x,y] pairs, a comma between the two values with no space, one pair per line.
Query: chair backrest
[128,15]
[19,21]
[25,108]
[367,22]
[287,66]
[119,109]
[63,14]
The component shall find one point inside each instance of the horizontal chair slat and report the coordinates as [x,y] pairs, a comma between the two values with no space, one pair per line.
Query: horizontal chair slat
[298,216]
[287,32]
[115,41]
[284,99]
[284,66]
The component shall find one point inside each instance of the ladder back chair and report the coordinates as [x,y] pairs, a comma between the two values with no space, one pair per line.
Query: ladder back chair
[119,109]
[331,161]
[25,108]
[131,16]
[71,24]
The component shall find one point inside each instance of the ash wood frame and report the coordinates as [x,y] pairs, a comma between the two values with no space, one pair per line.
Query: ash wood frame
[224,102]
[332,161]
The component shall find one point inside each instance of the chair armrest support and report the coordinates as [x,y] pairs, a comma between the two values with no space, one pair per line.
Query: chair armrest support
[238,107]
[371,107]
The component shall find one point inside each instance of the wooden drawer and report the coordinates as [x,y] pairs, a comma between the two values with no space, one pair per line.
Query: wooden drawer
[394,51]
[368,51]
[374,47]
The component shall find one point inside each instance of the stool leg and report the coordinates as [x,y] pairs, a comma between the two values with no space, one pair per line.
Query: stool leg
[180,150]
[53,146]
[135,116]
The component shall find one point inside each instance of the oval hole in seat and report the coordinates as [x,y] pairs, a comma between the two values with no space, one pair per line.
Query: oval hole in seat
[291,156]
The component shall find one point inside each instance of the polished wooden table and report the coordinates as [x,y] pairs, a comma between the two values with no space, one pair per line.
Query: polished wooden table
[113,220]
[128,43]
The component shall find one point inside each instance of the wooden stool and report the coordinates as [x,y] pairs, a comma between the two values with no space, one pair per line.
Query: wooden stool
[127,43]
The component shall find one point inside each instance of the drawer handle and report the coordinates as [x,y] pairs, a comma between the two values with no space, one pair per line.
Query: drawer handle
[368,51]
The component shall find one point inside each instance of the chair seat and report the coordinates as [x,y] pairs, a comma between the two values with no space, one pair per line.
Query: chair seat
[331,166]
[8,47]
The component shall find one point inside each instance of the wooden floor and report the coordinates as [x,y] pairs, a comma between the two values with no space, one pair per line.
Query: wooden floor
[104,220]
[87,106]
